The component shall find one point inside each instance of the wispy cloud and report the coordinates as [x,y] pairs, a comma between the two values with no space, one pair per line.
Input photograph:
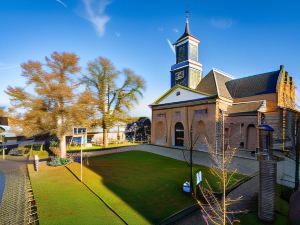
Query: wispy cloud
[62,3]
[118,34]
[171,46]
[95,13]
[175,30]
[221,23]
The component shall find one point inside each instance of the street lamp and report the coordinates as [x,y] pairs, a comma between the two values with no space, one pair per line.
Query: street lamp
[191,160]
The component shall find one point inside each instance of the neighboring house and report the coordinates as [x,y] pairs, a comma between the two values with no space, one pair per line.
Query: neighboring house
[95,136]
[219,109]
[7,137]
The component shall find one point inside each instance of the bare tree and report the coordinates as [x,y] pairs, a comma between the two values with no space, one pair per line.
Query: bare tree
[112,101]
[218,211]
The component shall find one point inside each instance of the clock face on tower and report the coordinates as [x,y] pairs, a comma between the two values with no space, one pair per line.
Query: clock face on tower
[179,77]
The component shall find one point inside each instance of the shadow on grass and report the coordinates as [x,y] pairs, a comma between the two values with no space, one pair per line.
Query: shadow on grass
[143,188]
[150,184]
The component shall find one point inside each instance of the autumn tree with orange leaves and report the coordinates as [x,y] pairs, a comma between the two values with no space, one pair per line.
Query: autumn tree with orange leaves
[50,103]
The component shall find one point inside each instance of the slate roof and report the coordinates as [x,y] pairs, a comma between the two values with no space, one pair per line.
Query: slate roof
[253,85]
[244,107]
[214,84]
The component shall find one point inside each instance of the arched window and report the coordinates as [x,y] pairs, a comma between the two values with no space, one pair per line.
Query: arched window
[179,134]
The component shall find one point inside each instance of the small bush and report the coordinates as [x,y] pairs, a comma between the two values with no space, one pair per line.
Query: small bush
[54,144]
[56,161]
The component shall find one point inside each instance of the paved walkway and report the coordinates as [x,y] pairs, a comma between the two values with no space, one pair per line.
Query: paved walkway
[244,165]
[249,192]
[13,202]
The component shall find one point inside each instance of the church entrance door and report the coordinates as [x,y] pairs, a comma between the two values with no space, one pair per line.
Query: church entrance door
[251,137]
[179,134]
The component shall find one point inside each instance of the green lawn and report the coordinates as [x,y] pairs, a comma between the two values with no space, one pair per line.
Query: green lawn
[42,154]
[98,147]
[62,199]
[144,188]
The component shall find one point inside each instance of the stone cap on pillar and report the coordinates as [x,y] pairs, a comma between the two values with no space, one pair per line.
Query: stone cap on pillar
[265,127]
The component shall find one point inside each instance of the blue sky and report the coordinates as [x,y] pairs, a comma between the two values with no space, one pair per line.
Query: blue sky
[239,37]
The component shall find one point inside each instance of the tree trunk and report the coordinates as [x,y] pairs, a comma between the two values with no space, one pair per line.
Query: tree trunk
[105,137]
[63,147]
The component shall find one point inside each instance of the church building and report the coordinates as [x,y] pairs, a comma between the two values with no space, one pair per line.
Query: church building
[217,110]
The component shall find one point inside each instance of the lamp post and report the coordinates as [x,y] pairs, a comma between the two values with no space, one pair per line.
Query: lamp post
[191,160]
[81,142]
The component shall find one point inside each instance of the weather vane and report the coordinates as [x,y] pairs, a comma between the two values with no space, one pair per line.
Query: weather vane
[187,15]
[187,12]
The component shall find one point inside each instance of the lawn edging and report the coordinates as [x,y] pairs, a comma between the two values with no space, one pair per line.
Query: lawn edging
[180,214]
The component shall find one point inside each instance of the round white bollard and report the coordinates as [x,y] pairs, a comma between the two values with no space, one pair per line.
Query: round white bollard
[36,162]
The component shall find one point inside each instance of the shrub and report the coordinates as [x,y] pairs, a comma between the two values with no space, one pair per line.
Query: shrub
[54,144]
[56,161]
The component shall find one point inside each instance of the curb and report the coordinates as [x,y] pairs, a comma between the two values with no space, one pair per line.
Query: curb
[180,214]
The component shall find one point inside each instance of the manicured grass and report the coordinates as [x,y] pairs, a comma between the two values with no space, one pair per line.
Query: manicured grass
[144,188]
[98,147]
[62,199]
[42,154]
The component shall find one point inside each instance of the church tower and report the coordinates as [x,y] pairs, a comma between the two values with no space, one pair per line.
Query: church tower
[187,71]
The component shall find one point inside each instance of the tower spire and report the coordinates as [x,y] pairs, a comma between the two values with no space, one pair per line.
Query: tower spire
[187,24]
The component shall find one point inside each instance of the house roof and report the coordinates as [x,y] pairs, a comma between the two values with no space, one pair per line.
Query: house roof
[253,85]
[5,131]
[214,84]
[244,107]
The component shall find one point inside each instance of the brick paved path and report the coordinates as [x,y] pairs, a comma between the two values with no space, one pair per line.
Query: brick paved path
[13,203]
